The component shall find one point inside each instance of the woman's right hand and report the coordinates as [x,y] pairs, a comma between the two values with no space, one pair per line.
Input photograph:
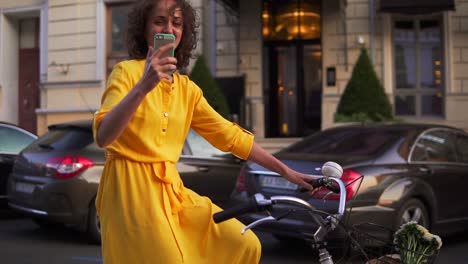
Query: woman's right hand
[157,68]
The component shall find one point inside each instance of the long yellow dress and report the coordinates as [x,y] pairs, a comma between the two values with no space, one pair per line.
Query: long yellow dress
[146,213]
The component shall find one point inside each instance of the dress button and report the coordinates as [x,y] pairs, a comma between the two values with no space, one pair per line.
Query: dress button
[163,130]
[166,114]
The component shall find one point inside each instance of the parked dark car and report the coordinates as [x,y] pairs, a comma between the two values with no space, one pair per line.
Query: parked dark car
[55,179]
[12,140]
[396,173]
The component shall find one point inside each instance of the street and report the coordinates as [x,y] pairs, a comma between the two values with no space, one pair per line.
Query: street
[23,242]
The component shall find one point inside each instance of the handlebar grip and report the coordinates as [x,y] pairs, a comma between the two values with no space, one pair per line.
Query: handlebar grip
[318,183]
[322,182]
[315,183]
[333,187]
[237,210]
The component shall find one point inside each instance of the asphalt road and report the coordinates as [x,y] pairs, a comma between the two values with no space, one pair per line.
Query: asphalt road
[23,242]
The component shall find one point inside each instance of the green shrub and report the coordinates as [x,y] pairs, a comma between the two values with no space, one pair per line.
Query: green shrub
[201,75]
[364,99]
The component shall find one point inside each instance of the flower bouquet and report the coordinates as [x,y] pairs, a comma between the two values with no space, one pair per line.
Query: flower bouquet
[416,244]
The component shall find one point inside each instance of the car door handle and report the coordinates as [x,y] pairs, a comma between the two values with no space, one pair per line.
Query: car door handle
[204,169]
[425,170]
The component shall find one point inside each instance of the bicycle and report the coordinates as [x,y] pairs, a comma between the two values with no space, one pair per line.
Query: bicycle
[326,223]
[362,245]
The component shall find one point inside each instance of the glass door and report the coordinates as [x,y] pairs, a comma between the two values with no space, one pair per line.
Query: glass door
[293,86]
[312,76]
[292,79]
[287,90]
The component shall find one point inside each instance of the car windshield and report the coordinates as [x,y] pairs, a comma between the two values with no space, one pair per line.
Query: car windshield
[64,139]
[350,141]
[200,147]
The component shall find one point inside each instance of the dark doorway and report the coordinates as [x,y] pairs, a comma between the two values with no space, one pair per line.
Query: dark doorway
[292,59]
[293,88]
[28,75]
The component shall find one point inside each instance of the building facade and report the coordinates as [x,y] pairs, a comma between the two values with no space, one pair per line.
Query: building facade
[293,57]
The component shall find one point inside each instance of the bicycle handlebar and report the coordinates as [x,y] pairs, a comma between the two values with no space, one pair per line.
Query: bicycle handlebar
[259,203]
[240,209]
[325,181]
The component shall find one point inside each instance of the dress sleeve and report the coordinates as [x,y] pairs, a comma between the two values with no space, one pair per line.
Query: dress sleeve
[221,133]
[117,87]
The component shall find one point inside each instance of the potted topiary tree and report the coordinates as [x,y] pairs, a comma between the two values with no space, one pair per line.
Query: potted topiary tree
[364,99]
[201,75]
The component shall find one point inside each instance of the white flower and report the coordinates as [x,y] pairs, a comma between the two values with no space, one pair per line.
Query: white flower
[428,236]
[423,230]
[439,241]
[415,243]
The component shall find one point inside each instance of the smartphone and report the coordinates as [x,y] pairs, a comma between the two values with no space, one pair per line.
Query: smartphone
[161,39]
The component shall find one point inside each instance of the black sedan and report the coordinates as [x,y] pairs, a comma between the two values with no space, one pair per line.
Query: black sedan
[12,140]
[55,179]
[394,173]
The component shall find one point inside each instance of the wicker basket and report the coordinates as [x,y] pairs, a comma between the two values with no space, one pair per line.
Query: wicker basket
[374,249]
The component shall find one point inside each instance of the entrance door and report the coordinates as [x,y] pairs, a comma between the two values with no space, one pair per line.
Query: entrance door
[294,87]
[28,73]
[28,96]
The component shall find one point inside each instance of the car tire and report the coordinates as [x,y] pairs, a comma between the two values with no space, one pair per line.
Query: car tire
[412,210]
[46,224]
[94,226]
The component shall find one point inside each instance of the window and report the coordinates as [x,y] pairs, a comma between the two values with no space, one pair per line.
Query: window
[462,148]
[116,29]
[199,147]
[13,141]
[435,146]
[418,67]
[351,142]
[287,20]
[64,139]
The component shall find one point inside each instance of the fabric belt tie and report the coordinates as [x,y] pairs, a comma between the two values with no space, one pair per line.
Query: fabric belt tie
[166,172]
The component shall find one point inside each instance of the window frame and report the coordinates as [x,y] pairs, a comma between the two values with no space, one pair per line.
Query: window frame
[458,148]
[113,57]
[432,130]
[418,91]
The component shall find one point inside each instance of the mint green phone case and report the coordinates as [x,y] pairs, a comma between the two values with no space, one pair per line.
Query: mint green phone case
[161,39]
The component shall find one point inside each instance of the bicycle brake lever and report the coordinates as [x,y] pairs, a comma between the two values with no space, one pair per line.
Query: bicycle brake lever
[258,222]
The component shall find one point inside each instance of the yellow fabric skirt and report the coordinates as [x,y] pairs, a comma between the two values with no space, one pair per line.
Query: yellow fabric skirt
[146,218]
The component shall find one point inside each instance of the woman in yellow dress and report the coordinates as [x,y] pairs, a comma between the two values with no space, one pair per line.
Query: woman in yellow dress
[146,213]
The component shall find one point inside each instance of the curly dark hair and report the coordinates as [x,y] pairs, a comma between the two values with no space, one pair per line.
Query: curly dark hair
[136,41]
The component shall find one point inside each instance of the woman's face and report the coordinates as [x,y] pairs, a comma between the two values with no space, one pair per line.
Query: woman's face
[165,18]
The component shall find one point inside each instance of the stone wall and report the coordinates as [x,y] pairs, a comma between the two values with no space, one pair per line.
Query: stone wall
[250,63]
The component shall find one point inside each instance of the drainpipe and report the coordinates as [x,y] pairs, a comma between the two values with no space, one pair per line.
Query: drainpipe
[212,45]
[371,29]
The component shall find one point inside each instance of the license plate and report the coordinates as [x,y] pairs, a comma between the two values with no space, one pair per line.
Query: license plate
[276,182]
[24,187]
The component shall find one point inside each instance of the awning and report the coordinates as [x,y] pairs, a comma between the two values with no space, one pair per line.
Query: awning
[415,7]
[234,4]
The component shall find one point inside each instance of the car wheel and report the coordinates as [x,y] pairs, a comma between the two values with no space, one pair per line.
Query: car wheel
[94,225]
[412,210]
